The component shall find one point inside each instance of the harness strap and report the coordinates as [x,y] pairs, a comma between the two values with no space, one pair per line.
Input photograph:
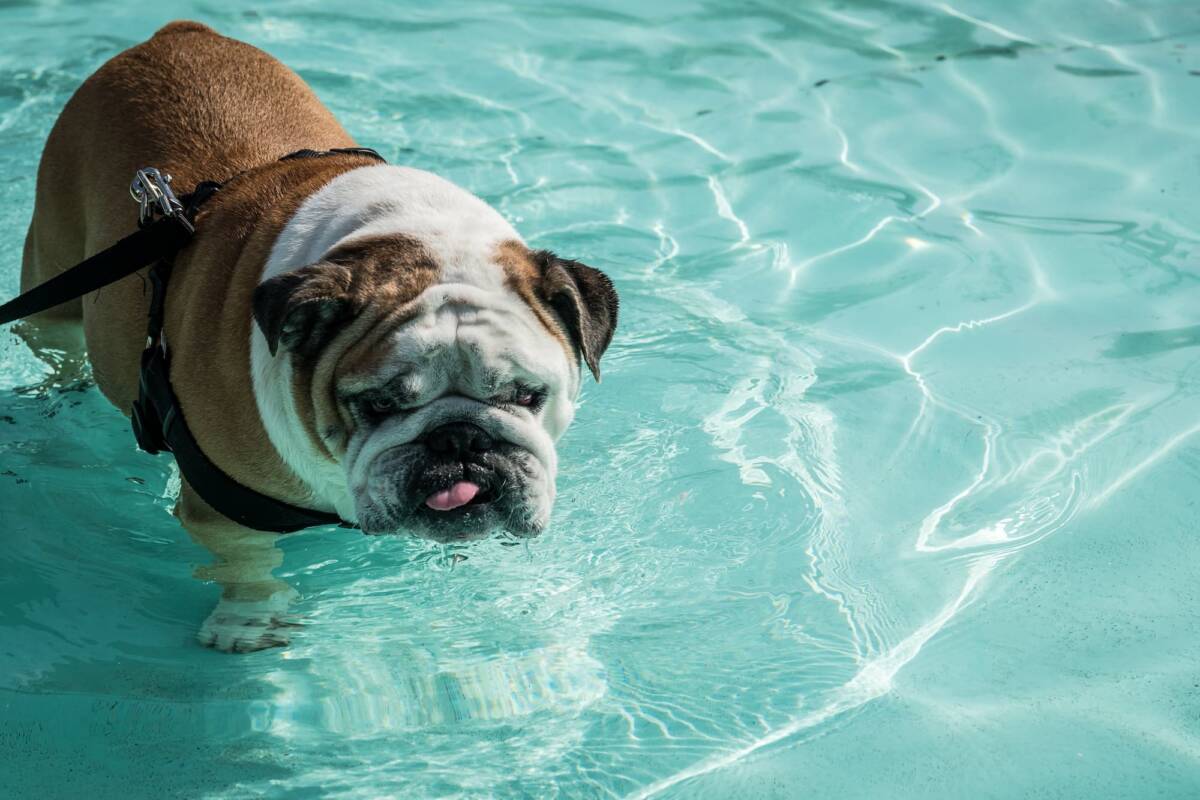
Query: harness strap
[158,424]
[157,417]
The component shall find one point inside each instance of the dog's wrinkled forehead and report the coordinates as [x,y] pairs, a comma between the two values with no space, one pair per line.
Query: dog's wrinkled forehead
[459,339]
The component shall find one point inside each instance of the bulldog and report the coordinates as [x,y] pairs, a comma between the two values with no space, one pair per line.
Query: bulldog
[345,336]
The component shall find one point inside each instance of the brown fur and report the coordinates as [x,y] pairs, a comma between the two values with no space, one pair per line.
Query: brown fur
[523,275]
[199,106]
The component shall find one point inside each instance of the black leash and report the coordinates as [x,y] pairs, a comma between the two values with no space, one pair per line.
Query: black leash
[165,226]
[134,252]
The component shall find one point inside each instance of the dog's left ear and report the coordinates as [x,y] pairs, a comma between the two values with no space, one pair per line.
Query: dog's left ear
[585,300]
[301,310]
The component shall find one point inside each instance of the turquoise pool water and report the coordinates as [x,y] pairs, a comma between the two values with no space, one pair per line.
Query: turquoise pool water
[890,489]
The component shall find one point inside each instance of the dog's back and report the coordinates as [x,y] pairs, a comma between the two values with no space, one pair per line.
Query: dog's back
[189,101]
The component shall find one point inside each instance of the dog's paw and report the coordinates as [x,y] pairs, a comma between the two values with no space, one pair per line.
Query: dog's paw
[244,626]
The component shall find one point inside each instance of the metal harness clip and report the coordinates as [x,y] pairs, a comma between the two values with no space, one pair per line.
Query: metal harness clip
[152,191]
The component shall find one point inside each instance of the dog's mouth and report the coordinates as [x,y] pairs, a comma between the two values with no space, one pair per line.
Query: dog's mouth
[460,494]
[465,510]
[458,499]
[455,499]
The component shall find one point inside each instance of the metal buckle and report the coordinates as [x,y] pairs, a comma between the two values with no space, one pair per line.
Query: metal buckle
[151,189]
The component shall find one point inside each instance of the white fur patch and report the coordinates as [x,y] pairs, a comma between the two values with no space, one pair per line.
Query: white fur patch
[469,327]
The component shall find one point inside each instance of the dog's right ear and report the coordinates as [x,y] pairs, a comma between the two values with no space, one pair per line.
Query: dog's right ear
[584,300]
[300,311]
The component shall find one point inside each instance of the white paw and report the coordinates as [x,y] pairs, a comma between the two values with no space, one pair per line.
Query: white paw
[244,626]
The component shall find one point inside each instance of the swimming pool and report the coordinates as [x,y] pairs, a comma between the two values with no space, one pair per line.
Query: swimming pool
[889,490]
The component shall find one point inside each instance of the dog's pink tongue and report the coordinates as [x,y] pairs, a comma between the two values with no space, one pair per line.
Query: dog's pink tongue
[457,495]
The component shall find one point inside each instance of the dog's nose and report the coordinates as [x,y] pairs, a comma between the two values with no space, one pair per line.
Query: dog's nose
[457,439]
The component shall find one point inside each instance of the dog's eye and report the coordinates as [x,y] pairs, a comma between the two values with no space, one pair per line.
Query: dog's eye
[527,398]
[382,404]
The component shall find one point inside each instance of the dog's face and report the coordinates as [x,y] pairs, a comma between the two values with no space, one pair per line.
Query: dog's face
[436,369]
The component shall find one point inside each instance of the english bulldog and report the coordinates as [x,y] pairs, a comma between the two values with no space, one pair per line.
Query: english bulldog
[345,336]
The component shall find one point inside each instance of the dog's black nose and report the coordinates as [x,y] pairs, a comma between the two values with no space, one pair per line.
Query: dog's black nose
[458,439]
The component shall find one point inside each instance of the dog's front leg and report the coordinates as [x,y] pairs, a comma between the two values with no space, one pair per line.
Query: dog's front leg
[250,614]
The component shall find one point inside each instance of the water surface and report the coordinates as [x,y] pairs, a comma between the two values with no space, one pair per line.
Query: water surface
[889,489]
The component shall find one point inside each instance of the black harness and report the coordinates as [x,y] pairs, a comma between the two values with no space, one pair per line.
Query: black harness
[165,226]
